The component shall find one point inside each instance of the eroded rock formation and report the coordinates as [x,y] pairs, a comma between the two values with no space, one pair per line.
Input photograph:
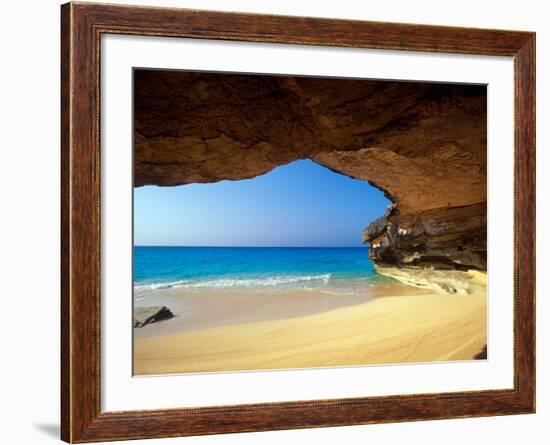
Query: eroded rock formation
[423,144]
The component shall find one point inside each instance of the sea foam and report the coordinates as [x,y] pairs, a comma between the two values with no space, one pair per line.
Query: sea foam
[272,281]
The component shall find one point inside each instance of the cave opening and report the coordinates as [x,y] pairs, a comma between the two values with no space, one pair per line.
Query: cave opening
[424,144]
[299,204]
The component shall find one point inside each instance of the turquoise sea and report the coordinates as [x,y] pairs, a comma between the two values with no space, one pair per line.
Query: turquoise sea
[268,268]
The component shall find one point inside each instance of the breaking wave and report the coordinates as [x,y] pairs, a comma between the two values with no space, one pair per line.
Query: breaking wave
[272,281]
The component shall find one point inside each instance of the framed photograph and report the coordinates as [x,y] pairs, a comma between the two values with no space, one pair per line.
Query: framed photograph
[274,222]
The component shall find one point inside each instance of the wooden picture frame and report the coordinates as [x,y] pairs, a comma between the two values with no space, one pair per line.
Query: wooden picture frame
[82,26]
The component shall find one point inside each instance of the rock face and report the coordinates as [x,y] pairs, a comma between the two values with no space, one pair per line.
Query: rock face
[423,144]
[453,238]
[150,314]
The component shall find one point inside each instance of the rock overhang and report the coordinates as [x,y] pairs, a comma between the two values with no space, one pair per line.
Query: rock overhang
[423,144]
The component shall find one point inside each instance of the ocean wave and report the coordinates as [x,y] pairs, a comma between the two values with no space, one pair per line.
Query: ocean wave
[273,281]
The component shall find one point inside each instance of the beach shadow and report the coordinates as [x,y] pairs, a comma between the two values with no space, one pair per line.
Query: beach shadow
[49,429]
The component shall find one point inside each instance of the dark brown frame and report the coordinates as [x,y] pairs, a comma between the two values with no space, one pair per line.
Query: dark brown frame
[82,25]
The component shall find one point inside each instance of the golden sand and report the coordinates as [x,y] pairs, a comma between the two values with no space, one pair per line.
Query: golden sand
[391,329]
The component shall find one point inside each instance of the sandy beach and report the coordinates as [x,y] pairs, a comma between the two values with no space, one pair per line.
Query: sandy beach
[390,324]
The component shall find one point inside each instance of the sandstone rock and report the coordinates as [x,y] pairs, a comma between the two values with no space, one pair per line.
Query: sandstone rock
[375,229]
[423,144]
[449,281]
[446,238]
[150,314]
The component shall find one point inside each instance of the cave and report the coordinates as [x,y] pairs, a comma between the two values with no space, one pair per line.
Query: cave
[423,144]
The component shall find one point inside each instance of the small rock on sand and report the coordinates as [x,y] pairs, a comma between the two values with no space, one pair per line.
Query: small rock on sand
[146,315]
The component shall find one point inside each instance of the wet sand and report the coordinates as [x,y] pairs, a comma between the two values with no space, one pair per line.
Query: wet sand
[197,309]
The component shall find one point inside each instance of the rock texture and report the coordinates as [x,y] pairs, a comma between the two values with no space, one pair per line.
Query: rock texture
[150,314]
[443,280]
[423,144]
[444,238]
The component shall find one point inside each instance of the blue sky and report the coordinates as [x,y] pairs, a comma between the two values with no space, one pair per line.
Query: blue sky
[301,204]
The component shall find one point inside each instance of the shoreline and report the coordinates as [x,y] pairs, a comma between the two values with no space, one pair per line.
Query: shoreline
[199,309]
[400,324]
